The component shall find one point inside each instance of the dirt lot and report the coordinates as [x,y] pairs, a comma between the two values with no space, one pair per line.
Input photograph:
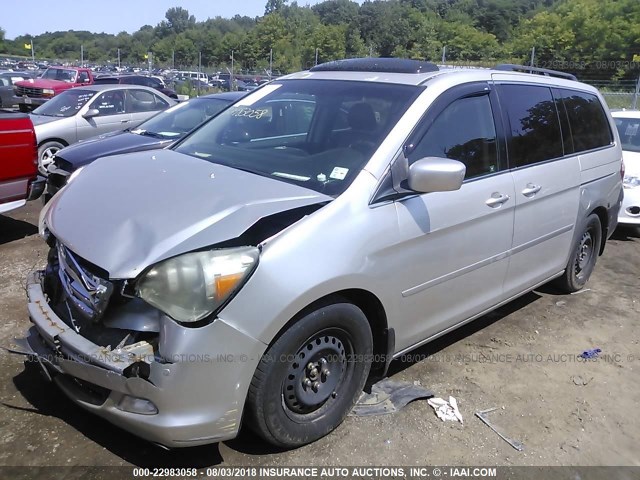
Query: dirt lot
[522,358]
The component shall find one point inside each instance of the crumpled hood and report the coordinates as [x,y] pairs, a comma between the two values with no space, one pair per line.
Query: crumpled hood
[128,212]
[85,152]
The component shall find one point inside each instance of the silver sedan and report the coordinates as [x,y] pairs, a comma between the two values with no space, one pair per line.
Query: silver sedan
[84,112]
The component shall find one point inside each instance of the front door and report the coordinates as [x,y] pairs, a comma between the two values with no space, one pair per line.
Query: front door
[454,245]
[111,118]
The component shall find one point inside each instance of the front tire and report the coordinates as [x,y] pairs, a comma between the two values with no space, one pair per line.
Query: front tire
[310,378]
[46,151]
[583,256]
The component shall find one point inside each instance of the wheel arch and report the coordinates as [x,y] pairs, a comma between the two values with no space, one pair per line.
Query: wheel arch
[601,212]
[54,139]
[373,309]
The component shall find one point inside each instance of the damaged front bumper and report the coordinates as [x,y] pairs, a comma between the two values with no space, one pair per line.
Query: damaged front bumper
[191,390]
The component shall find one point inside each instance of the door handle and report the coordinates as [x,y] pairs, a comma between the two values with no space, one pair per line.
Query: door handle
[497,200]
[531,190]
[124,121]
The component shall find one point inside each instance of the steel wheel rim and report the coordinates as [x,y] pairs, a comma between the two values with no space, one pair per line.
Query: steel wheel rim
[315,376]
[585,253]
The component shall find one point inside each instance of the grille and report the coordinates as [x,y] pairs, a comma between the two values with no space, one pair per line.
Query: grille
[88,293]
[29,91]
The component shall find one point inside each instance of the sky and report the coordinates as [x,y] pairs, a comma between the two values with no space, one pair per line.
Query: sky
[114,16]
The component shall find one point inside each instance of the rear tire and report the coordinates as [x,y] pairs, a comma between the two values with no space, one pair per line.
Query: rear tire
[310,378]
[583,256]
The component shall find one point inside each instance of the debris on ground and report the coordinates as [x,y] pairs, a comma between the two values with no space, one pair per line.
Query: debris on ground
[580,291]
[388,396]
[593,353]
[580,381]
[482,415]
[446,410]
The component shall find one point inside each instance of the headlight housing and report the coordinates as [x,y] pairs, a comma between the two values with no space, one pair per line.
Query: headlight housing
[192,286]
[630,182]
[48,91]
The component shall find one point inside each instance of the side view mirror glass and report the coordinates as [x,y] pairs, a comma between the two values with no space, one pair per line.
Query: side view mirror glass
[435,174]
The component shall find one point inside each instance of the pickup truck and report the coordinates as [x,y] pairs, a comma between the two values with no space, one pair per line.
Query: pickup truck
[35,92]
[18,162]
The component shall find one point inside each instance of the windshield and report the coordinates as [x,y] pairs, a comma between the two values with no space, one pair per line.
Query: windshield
[182,118]
[629,134]
[61,74]
[66,104]
[313,133]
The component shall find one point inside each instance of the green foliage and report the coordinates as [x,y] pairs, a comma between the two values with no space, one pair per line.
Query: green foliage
[569,35]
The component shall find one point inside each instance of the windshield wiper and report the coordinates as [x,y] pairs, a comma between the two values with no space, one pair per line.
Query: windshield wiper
[147,133]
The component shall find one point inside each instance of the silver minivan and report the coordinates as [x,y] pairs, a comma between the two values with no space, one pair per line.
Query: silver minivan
[266,266]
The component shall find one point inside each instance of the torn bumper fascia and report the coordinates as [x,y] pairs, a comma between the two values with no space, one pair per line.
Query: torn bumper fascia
[198,383]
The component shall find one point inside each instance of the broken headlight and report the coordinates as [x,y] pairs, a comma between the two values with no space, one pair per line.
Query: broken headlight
[192,286]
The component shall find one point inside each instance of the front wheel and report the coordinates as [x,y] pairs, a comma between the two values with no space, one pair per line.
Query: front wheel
[310,378]
[583,256]
[46,152]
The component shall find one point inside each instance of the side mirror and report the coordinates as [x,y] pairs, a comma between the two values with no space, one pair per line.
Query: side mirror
[435,174]
[92,112]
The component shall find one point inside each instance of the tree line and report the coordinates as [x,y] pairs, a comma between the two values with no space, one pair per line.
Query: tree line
[597,36]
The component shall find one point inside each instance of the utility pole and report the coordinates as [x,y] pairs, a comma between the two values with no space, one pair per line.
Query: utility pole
[634,104]
[270,63]
[444,54]
[231,77]
[118,59]
[33,53]
[82,55]
[199,70]
[317,56]
[173,59]
[533,56]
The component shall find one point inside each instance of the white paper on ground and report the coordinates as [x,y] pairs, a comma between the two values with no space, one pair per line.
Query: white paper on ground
[446,410]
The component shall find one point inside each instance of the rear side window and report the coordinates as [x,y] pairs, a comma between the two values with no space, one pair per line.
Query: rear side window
[533,122]
[588,122]
[463,131]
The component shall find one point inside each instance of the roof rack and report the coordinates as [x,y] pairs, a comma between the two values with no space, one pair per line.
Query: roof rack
[540,71]
[386,65]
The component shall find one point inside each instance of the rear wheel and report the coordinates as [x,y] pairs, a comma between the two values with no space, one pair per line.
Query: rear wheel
[583,256]
[310,378]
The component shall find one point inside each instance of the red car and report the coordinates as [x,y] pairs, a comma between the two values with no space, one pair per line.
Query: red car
[18,162]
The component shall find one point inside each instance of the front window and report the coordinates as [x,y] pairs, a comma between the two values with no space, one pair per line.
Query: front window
[629,130]
[66,104]
[181,118]
[61,74]
[314,133]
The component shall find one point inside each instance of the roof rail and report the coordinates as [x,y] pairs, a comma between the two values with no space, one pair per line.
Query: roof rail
[386,65]
[541,71]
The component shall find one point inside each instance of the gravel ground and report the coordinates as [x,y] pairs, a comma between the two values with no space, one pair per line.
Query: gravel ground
[521,358]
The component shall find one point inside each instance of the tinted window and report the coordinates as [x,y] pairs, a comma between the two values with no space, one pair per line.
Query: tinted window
[533,121]
[588,122]
[464,131]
